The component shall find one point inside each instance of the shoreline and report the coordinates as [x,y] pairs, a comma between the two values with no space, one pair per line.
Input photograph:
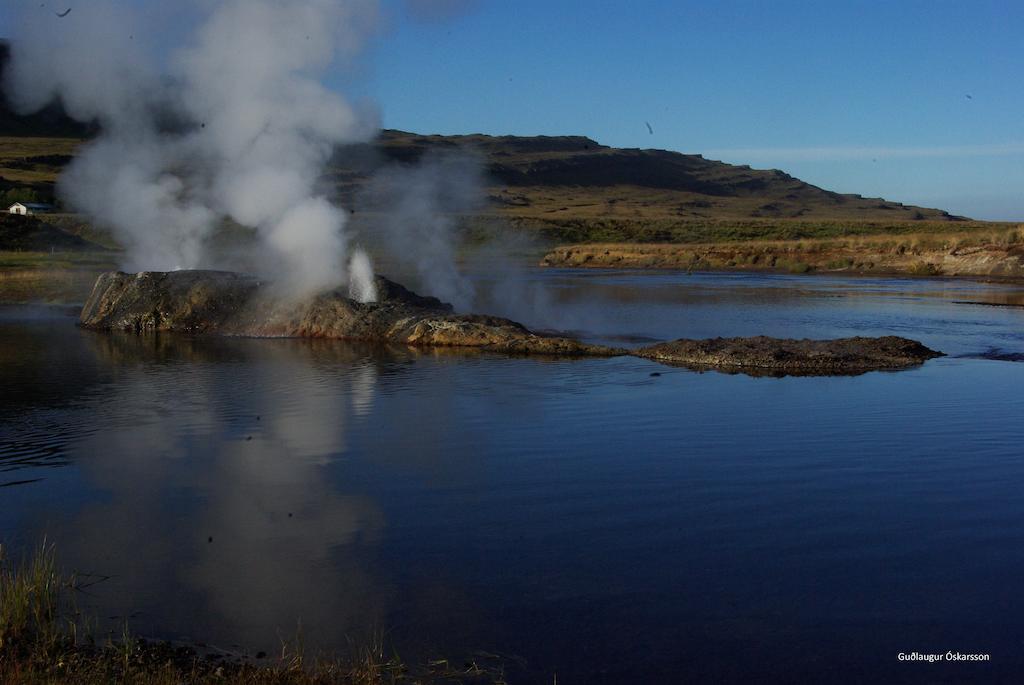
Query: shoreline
[226,303]
[46,638]
[885,275]
[968,256]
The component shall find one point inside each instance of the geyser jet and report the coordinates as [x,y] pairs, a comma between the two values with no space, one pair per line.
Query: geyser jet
[236,128]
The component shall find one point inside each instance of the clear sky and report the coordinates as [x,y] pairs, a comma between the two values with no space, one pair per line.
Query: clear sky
[919,102]
[863,97]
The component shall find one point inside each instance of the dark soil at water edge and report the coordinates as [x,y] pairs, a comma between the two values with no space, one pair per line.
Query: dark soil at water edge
[45,639]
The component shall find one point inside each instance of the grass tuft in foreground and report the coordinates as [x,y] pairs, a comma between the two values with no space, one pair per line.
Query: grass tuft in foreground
[45,640]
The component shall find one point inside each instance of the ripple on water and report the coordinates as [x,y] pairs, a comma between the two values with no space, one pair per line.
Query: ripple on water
[531,505]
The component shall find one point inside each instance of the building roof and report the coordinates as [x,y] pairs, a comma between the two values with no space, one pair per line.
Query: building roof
[31,205]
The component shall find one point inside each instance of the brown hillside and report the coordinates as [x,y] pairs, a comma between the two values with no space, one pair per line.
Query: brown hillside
[565,185]
[571,176]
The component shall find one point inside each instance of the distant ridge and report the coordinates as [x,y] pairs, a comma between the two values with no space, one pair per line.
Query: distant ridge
[549,179]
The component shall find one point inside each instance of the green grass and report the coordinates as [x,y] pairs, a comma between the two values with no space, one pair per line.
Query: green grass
[844,263]
[986,250]
[29,601]
[795,267]
[601,210]
[689,231]
[76,224]
[44,639]
[29,261]
[23,168]
[924,268]
[54,278]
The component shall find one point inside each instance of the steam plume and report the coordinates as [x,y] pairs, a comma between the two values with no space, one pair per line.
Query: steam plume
[237,127]
[415,212]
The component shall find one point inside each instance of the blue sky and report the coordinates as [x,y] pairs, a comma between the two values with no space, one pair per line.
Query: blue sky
[862,97]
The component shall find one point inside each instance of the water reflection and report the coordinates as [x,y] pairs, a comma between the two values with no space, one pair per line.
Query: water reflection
[632,308]
[596,520]
[231,487]
[212,499]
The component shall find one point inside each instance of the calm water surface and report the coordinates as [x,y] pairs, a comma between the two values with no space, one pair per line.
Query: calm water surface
[582,517]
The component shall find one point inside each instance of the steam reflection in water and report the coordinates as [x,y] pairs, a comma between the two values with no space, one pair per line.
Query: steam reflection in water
[591,518]
[176,440]
[229,441]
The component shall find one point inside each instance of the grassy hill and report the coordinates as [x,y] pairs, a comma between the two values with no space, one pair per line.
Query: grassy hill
[564,188]
[574,176]
[573,189]
[29,234]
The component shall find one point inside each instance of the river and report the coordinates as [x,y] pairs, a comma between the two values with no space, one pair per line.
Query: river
[598,520]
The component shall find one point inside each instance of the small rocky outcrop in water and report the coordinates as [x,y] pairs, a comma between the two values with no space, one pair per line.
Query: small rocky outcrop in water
[225,303]
[794,357]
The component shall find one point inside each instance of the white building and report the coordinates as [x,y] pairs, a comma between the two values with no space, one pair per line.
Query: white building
[25,208]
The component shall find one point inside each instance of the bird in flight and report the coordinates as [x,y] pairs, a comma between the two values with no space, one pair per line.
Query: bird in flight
[968,96]
[649,129]
[64,13]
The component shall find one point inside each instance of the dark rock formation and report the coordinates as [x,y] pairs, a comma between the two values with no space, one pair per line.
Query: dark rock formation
[761,355]
[233,304]
[226,303]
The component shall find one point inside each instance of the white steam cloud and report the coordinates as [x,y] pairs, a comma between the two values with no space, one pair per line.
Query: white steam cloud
[228,130]
[415,212]
[237,127]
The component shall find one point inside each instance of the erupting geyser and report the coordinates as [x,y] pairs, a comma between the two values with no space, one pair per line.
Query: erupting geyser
[232,125]
[227,303]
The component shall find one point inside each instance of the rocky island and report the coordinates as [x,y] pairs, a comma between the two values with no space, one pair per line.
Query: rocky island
[226,303]
[760,355]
